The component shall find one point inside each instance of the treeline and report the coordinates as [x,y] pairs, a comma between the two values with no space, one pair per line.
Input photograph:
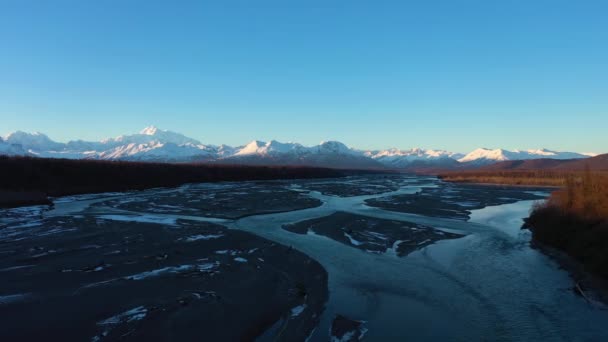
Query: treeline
[584,194]
[23,178]
[519,177]
[575,220]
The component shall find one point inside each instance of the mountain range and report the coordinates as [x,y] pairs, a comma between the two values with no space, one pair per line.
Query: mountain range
[153,144]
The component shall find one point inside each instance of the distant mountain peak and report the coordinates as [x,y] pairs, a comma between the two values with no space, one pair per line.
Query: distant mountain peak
[333,146]
[27,134]
[590,154]
[485,155]
[32,141]
[154,144]
[151,134]
[150,130]
[253,147]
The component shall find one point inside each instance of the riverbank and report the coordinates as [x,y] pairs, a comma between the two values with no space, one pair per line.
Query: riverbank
[584,239]
[575,221]
[30,181]
[591,287]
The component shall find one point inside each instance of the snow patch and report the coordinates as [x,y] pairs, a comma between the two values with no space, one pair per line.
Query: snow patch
[296,311]
[206,267]
[142,218]
[135,314]
[13,298]
[203,237]
[352,240]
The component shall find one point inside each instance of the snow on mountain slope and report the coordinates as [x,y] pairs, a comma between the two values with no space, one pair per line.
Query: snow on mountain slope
[404,158]
[150,144]
[153,144]
[151,135]
[590,154]
[81,145]
[485,156]
[334,147]
[257,147]
[274,147]
[544,153]
[157,151]
[327,154]
[8,149]
[224,151]
[33,141]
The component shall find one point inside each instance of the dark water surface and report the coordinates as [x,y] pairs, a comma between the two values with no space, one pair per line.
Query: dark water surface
[474,278]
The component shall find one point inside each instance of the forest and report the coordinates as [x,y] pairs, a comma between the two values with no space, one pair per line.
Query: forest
[25,180]
[511,177]
[575,220]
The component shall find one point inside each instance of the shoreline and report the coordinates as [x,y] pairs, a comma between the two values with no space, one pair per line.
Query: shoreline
[580,239]
[584,280]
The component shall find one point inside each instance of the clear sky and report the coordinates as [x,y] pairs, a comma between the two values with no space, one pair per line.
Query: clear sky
[446,74]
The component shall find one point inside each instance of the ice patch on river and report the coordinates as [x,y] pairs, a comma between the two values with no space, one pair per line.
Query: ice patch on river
[203,237]
[135,314]
[228,252]
[13,298]
[352,240]
[296,311]
[206,267]
[141,218]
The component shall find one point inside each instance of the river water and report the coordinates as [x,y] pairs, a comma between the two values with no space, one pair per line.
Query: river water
[488,285]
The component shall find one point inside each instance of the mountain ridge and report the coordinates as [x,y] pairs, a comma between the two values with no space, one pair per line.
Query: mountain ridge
[157,145]
[596,163]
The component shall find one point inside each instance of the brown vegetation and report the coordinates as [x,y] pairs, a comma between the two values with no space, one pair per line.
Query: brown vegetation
[519,177]
[597,163]
[21,176]
[584,194]
[575,220]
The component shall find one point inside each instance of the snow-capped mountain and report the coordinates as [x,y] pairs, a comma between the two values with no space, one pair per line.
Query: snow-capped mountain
[153,144]
[335,147]
[327,154]
[272,147]
[159,151]
[151,135]
[404,158]
[486,156]
[32,141]
[8,149]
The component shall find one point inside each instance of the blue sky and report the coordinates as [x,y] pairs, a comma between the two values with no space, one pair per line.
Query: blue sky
[373,74]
